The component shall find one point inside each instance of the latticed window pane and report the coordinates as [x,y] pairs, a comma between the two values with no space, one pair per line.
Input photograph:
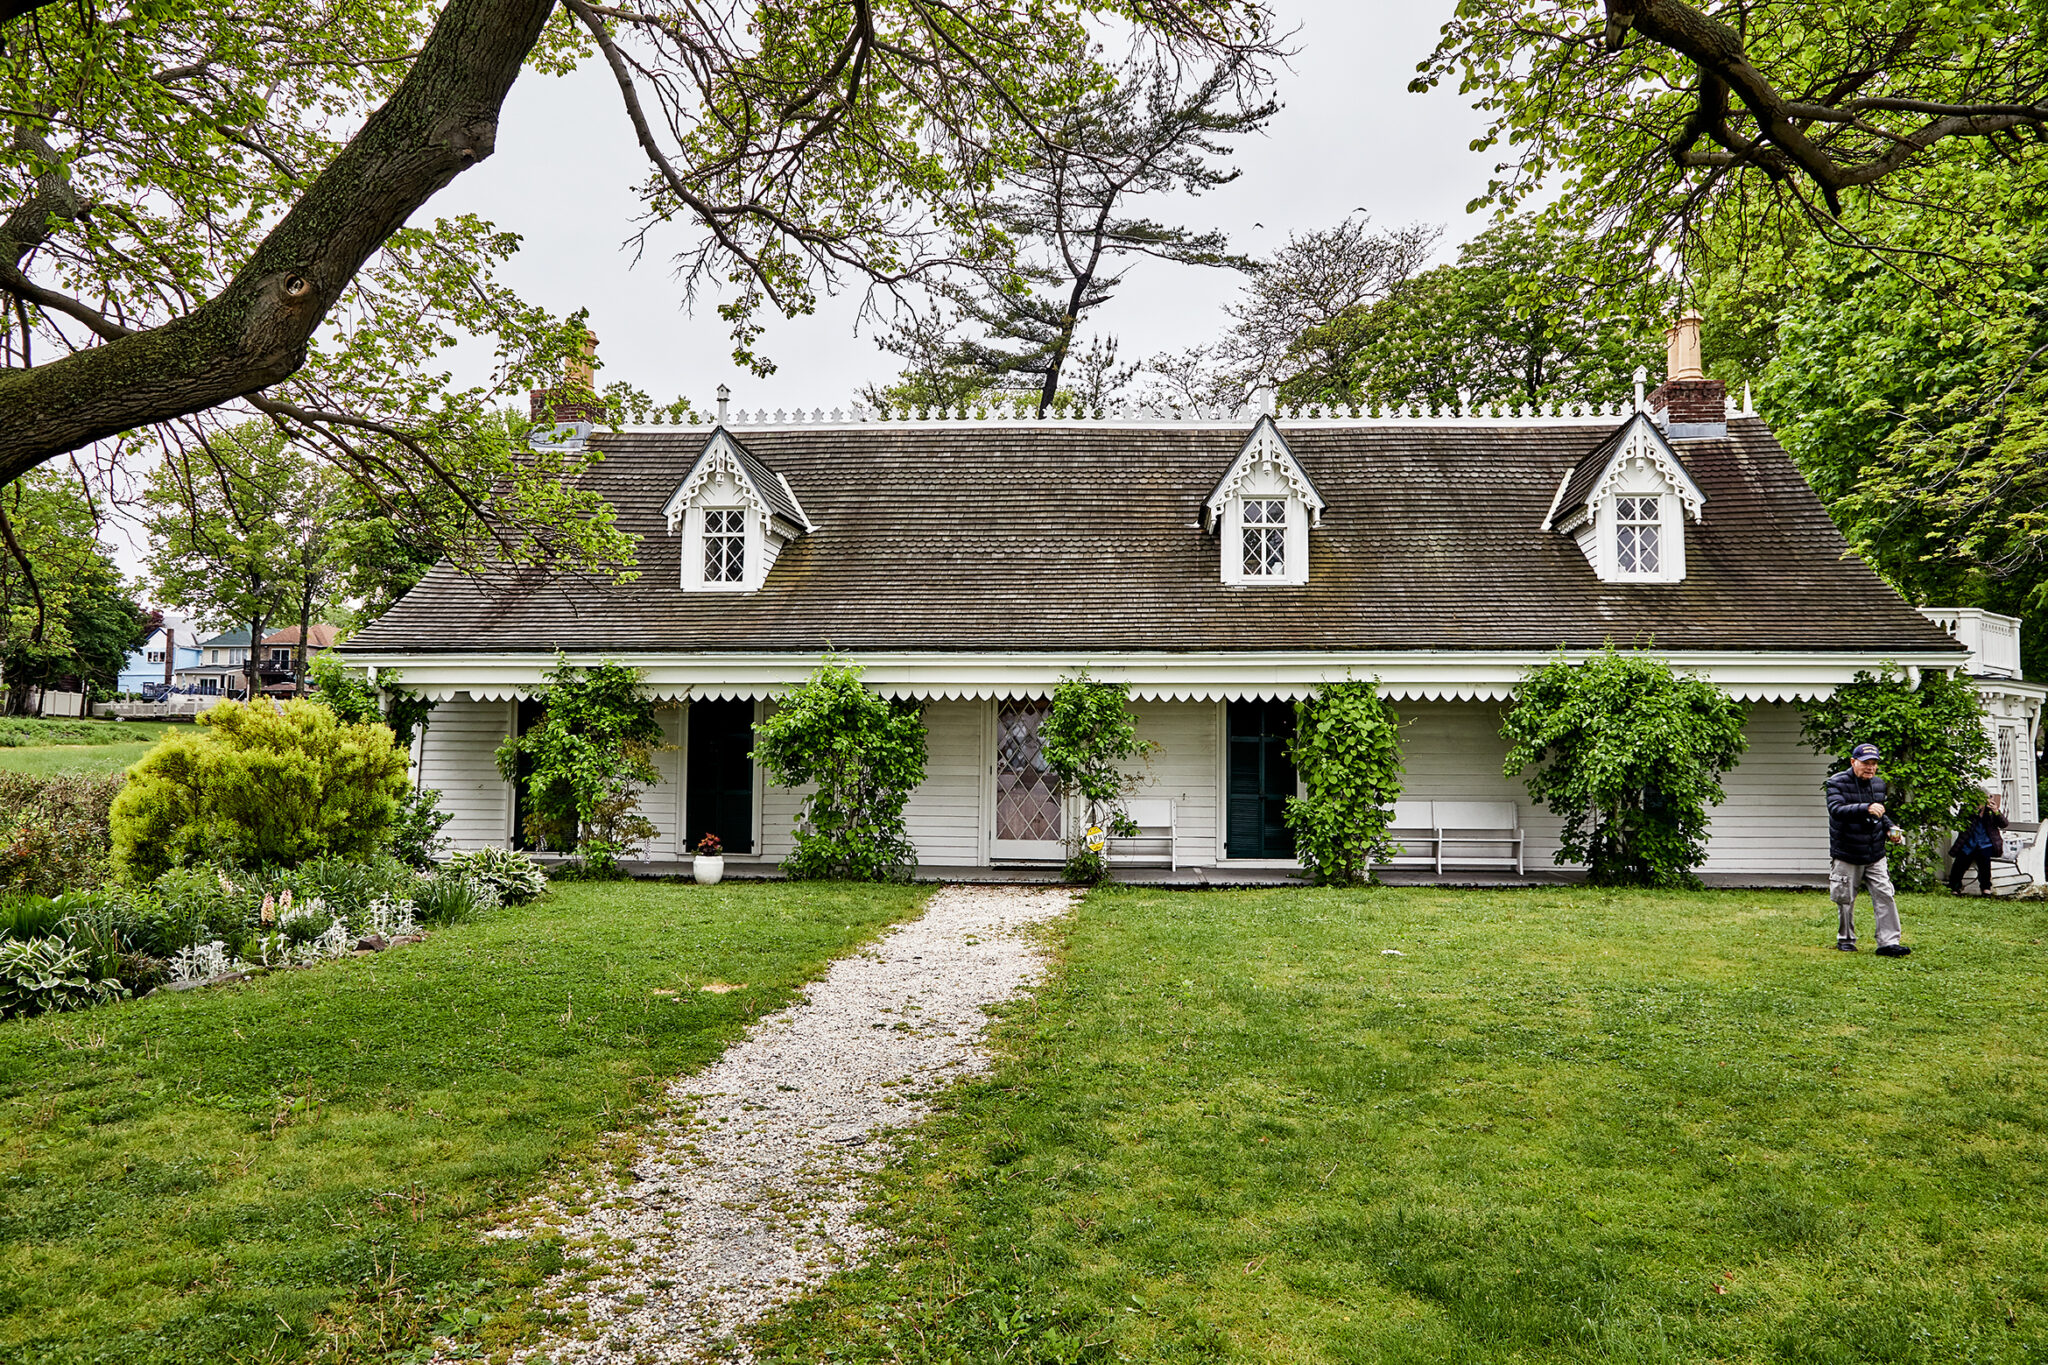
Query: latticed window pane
[725,545]
[1265,537]
[1635,535]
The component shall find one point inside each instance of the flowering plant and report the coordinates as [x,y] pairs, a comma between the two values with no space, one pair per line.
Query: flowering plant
[710,846]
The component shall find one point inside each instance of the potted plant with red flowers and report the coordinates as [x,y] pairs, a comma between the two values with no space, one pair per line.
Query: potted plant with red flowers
[708,867]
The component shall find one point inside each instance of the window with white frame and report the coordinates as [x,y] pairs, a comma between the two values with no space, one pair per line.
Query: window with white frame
[725,544]
[1265,537]
[1636,530]
[156,656]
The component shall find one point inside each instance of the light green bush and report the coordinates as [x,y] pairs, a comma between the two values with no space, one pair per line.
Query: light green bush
[254,786]
[1347,748]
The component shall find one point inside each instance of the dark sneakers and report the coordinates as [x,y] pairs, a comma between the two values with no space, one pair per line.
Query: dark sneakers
[1894,950]
[1845,947]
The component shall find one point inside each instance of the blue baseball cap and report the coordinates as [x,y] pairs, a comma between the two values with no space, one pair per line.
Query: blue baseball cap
[1863,751]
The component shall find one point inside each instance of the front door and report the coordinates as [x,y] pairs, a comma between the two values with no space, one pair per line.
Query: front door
[718,797]
[1027,806]
[1261,780]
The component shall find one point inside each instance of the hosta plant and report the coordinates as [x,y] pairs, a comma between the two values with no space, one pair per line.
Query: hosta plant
[42,974]
[514,876]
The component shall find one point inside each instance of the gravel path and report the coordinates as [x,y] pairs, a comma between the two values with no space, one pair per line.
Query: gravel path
[750,1194]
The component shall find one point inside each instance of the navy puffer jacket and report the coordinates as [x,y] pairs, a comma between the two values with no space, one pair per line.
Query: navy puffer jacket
[1854,834]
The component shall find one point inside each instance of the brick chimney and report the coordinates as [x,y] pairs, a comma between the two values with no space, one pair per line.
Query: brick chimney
[1688,405]
[576,400]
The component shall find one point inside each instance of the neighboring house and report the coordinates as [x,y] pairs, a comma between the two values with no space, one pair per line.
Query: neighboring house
[280,654]
[170,647]
[222,666]
[2013,718]
[1220,567]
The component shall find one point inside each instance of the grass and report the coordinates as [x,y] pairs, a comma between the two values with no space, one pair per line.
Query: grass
[1562,1126]
[46,748]
[298,1166]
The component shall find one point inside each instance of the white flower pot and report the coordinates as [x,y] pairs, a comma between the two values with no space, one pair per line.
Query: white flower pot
[708,868]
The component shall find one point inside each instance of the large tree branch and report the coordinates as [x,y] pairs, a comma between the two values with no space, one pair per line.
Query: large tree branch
[1719,53]
[440,121]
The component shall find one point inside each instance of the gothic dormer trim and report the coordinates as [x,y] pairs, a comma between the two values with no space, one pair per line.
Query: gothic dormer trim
[1265,450]
[1261,511]
[1637,440]
[734,515]
[1626,504]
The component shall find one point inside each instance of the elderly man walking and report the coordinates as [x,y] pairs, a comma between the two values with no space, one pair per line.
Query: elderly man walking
[1858,830]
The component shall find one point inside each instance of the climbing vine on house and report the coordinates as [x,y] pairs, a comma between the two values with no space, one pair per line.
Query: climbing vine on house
[1630,754]
[580,767]
[1089,741]
[1937,755]
[1347,754]
[866,754]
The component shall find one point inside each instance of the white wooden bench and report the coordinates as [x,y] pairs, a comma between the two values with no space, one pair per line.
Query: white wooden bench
[1472,834]
[1152,845]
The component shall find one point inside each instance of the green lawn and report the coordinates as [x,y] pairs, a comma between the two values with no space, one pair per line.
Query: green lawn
[46,748]
[1562,1126]
[299,1165]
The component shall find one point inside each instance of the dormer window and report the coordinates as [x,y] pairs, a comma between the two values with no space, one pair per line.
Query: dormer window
[1635,535]
[735,516]
[1262,512]
[1626,504]
[725,545]
[1265,537]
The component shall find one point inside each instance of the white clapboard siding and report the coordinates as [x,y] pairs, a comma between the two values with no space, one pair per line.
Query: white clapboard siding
[458,757]
[1453,752]
[1183,770]
[1773,820]
[663,802]
[943,816]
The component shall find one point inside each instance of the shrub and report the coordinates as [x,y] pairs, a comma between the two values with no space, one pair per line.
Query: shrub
[1631,755]
[1347,753]
[254,786]
[582,765]
[866,754]
[415,836]
[55,832]
[1089,740]
[515,877]
[42,974]
[1937,755]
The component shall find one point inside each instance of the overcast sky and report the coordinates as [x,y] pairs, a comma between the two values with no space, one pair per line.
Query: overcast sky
[1349,136]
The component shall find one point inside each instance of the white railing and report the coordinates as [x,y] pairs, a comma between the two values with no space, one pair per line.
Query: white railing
[1993,640]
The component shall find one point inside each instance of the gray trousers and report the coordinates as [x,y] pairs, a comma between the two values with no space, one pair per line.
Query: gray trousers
[1843,881]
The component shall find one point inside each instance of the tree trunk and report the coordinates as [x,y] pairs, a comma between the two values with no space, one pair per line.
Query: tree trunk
[250,667]
[441,120]
[305,625]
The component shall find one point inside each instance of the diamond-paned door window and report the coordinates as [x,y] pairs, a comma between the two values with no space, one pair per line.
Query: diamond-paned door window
[1635,535]
[1265,537]
[1027,805]
[725,545]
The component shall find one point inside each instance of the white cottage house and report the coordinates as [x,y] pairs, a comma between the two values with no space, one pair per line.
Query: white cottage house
[1221,567]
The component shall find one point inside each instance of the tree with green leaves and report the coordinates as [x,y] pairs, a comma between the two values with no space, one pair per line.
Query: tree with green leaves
[239,534]
[1347,753]
[1089,742]
[1630,754]
[1937,754]
[1288,328]
[863,754]
[214,207]
[582,765]
[1524,315]
[64,611]
[1143,136]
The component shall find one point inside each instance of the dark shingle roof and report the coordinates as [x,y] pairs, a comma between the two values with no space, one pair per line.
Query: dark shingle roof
[772,492]
[1578,485]
[1089,537]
